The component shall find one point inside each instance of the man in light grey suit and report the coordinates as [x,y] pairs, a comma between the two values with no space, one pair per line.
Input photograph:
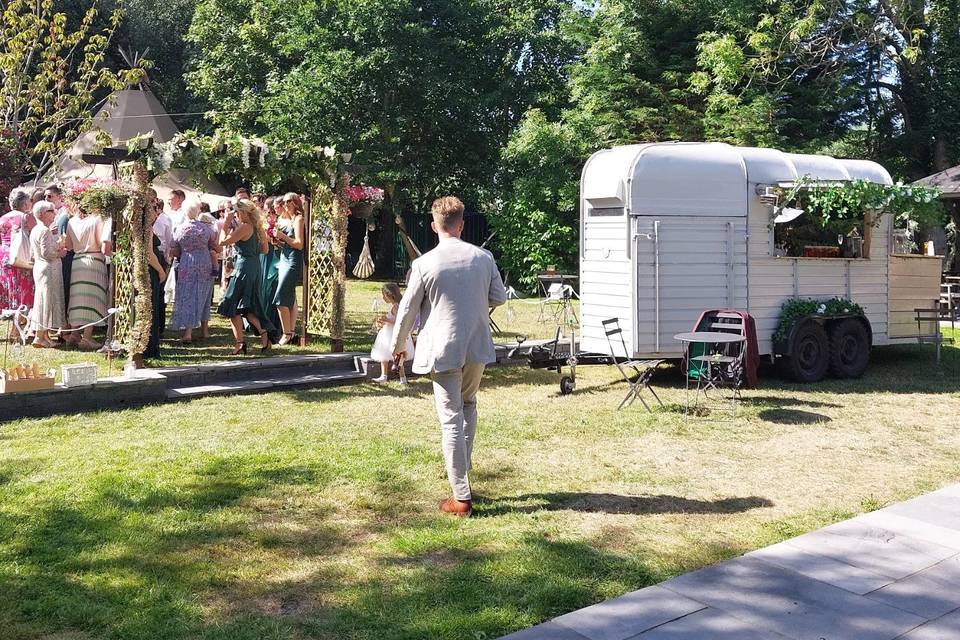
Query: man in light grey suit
[452,288]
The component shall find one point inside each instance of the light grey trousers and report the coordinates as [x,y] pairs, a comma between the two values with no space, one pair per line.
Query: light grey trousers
[455,393]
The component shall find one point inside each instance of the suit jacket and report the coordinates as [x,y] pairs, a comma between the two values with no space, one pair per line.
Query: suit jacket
[452,289]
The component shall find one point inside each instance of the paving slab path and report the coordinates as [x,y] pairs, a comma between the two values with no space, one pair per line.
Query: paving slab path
[890,574]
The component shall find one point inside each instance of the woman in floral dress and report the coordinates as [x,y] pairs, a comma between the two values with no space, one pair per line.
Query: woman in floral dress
[193,244]
[16,284]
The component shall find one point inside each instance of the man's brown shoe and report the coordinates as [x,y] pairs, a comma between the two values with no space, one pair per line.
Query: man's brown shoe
[456,507]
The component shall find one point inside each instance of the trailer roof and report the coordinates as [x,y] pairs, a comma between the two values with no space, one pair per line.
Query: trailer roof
[704,178]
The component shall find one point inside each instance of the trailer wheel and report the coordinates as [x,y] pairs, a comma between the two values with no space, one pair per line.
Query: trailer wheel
[849,348]
[566,385]
[809,356]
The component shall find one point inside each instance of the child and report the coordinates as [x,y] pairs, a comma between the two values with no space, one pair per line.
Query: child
[382,347]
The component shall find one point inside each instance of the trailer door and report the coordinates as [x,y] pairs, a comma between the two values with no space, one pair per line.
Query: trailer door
[684,266]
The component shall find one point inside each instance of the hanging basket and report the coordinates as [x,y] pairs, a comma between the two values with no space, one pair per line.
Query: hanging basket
[107,198]
[362,210]
[110,207]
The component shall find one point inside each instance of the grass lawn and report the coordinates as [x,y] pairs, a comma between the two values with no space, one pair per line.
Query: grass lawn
[313,514]
[520,317]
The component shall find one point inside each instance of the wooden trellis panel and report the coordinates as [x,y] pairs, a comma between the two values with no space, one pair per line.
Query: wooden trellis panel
[320,271]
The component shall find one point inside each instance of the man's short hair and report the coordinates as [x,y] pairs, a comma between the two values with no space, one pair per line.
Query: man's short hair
[447,212]
[54,189]
[241,190]
[180,194]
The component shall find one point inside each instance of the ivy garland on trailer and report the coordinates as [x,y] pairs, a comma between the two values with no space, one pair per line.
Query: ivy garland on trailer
[796,309]
[833,203]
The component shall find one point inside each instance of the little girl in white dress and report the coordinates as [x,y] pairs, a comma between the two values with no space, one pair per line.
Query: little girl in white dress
[382,346]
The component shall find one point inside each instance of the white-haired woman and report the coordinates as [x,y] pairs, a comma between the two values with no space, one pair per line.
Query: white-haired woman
[48,309]
[16,283]
[193,244]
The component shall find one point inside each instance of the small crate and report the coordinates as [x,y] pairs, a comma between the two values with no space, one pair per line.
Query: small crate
[78,375]
[39,383]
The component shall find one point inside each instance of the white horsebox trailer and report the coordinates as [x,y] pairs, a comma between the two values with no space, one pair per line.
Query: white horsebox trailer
[671,229]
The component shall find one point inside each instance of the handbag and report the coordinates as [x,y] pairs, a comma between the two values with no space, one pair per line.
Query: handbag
[20,254]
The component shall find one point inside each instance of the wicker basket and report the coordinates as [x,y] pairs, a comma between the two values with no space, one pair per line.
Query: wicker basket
[78,375]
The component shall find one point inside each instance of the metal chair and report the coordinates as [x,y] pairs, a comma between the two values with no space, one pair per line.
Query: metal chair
[725,368]
[933,317]
[636,373]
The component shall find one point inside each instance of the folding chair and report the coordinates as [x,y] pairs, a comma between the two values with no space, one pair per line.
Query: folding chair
[725,368]
[636,373]
[932,333]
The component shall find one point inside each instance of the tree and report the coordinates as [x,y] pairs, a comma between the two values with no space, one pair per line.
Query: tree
[51,75]
[424,92]
[875,73]
[631,84]
[537,220]
[628,65]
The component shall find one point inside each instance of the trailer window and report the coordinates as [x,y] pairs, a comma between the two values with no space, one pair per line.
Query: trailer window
[598,212]
[805,238]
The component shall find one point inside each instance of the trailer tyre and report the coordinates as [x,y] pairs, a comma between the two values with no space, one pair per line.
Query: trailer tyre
[849,349]
[566,385]
[809,356]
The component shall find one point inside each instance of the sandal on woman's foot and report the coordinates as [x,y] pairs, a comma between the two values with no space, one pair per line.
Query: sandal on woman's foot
[265,347]
[286,338]
[241,347]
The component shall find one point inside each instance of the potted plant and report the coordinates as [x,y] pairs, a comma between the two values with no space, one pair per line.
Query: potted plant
[363,199]
[107,198]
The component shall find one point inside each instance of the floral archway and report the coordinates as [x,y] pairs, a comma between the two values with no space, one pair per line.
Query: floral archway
[325,171]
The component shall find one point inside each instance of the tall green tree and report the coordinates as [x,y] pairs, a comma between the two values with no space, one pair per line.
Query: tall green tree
[812,74]
[424,92]
[629,83]
[632,83]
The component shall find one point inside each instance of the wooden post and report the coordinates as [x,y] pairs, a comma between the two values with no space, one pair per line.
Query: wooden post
[140,236]
[341,209]
[305,276]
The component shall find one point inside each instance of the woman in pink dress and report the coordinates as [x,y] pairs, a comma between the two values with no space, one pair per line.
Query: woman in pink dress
[16,283]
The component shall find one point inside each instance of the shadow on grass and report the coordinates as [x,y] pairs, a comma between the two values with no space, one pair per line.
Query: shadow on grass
[131,559]
[778,401]
[134,560]
[792,416]
[613,503]
[472,593]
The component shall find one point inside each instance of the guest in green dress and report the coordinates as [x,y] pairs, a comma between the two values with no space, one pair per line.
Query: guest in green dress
[289,234]
[269,267]
[243,299]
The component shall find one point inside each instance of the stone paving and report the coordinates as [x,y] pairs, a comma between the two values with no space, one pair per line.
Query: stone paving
[890,574]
